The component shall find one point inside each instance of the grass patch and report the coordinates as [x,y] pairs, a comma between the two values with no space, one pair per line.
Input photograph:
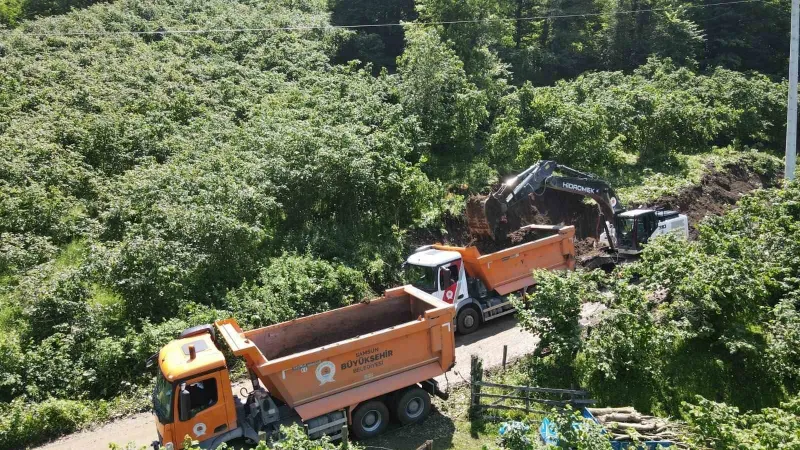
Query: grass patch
[449,426]
[24,424]
[640,185]
[72,255]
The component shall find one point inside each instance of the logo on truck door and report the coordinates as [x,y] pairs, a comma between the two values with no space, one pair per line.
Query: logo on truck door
[325,372]
[451,291]
[199,429]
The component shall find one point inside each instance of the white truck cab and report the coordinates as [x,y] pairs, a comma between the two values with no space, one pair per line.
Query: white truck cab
[442,274]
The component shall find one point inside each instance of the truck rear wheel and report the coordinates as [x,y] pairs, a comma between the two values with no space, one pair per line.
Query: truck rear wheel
[468,320]
[370,419]
[412,406]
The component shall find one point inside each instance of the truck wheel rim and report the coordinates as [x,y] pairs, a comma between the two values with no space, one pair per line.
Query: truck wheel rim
[469,321]
[371,421]
[415,407]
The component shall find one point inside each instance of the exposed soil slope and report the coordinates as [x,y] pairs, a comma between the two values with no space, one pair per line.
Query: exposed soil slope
[717,192]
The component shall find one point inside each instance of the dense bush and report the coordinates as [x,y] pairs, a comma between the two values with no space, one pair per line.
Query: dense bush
[13,11]
[702,318]
[719,426]
[294,438]
[293,286]
[656,112]
[151,182]
[22,424]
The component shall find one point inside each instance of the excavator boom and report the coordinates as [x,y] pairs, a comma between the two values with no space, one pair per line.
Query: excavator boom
[486,216]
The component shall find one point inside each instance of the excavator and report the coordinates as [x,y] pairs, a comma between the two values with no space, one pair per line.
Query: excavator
[626,231]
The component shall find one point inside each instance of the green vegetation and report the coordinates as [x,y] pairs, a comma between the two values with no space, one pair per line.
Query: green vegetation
[12,12]
[151,182]
[700,321]
[295,438]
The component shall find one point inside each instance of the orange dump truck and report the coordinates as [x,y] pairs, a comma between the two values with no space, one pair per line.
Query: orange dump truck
[479,285]
[353,368]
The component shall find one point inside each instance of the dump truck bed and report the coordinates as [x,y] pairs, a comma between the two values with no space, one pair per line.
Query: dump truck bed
[511,269]
[339,358]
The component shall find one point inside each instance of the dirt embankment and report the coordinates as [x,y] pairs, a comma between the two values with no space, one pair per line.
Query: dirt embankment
[717,192]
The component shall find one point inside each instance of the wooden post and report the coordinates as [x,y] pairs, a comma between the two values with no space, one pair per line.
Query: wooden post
[476,376]
[505,354]
[527,401]
[428,445]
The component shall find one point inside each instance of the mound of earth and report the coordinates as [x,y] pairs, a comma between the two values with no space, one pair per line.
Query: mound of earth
[717,192]
[455,233]
[518,237]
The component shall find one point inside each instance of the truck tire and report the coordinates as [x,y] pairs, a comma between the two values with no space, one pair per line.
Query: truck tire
[412,405]
[468,320]
[370,419]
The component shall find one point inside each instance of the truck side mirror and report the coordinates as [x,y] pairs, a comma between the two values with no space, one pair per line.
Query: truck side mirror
[184,403]
[444,278]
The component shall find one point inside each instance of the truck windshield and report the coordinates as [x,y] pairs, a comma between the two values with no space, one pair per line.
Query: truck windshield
[421,277]
[162,399]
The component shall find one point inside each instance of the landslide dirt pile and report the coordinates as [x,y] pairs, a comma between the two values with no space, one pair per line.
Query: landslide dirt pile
[518,237]
[717,192]
[548,208]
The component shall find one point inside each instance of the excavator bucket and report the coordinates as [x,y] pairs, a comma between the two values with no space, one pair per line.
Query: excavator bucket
[484,216]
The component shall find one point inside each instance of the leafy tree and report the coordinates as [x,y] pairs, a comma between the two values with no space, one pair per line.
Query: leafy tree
[720,426]
[381,45]
[293,286]
[553,310]
[748,36]
[435,88]
[10,11]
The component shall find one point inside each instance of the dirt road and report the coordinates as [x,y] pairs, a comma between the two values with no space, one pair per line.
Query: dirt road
[487,342]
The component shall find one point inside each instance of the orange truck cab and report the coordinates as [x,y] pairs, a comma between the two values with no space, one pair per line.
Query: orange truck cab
[352,369]
[479,285]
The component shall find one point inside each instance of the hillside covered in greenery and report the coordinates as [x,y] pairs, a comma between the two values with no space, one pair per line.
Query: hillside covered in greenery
[271,165]
[708,332]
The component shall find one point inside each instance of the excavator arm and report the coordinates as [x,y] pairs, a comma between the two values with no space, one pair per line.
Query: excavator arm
[484,219]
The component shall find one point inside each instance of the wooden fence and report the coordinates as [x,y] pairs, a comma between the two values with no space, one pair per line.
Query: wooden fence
[485,395]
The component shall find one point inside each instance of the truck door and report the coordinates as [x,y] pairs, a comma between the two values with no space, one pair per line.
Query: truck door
[201,409]
[449,276]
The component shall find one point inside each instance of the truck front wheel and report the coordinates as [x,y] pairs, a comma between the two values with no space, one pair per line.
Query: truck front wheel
[370,419]
[412,406]
[468,320]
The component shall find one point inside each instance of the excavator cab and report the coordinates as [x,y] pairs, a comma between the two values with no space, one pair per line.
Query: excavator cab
[634,229]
